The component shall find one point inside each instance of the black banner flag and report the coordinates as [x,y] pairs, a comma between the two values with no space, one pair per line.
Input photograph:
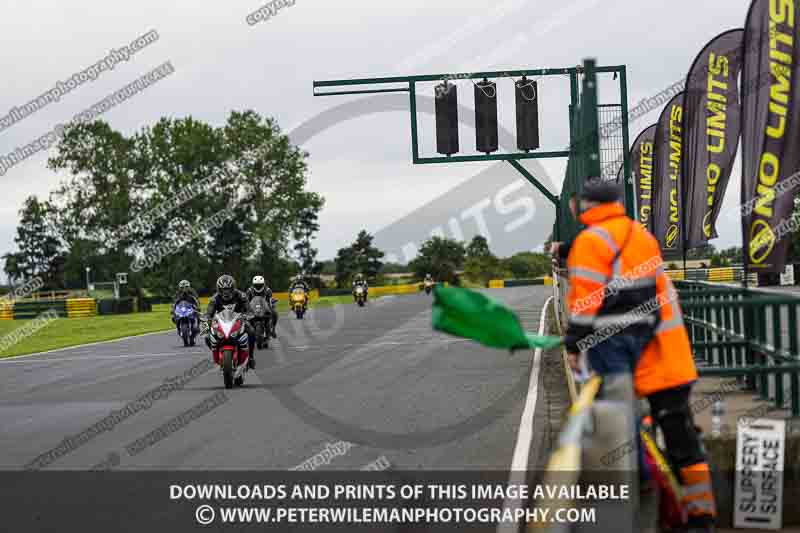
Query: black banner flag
[711,125]
[642,152]
[667,205]
[770,131]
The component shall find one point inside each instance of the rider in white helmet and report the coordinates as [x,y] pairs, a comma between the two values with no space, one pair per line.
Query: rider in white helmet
[259,287]
[186,294]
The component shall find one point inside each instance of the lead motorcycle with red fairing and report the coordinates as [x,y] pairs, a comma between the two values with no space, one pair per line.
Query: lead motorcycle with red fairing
[227,336]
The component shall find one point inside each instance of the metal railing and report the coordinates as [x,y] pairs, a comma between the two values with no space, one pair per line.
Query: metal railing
[753,334]
[596,426]
[560,288]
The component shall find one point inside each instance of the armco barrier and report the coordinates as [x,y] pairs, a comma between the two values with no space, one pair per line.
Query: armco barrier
[52,295]
[525,282]
[722,275]
[501,283]
[6,311]
[25,310]
[81,307]
[376,291]
[394,289]
[716,275]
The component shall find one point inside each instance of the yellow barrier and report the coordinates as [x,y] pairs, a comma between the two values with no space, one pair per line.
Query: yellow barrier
[548,281]
[497,283]
[721,274]
[394,289]
[675,275]
[7,311]
[81,307]
[567,457]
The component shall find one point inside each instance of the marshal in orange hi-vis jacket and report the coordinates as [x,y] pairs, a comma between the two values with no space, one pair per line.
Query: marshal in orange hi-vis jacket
[617,282]
[624,312]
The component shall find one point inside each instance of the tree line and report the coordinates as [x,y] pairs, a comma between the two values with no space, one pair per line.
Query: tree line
[123,196]
[444,259]
[111,179]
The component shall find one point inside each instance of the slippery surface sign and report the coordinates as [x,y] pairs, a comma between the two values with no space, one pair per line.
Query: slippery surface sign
[760,447]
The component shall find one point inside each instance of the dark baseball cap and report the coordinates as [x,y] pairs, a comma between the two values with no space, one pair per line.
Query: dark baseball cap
[601,190]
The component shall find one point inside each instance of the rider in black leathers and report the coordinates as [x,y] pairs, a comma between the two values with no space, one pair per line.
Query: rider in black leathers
[185,294]
[260,288]
[299,283]
[226,295]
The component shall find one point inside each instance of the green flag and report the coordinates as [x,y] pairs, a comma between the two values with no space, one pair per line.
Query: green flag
[466,313]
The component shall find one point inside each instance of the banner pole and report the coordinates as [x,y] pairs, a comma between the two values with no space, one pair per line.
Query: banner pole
[744,269]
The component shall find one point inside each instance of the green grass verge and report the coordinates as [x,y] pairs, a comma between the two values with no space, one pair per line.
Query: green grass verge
[66,332]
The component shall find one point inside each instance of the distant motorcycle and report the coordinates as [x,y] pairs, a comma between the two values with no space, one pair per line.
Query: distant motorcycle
[229,342]
[428,286]
[261,319]
[186,318]
[299,302]
[360,295]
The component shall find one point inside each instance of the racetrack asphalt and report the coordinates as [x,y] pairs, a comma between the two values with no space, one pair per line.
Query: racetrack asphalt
[378,378]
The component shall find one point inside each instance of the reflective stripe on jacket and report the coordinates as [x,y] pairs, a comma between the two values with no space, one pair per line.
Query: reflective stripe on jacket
[667,360]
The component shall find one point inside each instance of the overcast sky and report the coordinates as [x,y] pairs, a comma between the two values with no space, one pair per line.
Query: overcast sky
[361,166]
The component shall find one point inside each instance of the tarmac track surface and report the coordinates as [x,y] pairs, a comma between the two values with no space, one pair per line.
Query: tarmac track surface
[376,377]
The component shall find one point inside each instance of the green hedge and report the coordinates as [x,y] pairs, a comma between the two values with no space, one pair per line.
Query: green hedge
[143,305]
[115,307]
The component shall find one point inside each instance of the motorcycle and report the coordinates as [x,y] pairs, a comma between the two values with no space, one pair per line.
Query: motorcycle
[428,286]
[298,301]
[262,320]
[229,344]
[186,320]
[360,295]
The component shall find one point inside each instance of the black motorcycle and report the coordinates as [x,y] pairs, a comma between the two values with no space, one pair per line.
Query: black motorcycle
[261,319]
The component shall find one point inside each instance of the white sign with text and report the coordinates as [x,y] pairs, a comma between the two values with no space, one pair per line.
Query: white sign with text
[758,494]
[787,276]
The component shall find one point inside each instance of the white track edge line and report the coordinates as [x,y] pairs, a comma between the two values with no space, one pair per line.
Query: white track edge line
[519,462]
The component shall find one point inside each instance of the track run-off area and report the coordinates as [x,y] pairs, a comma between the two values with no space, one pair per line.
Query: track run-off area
[345,388]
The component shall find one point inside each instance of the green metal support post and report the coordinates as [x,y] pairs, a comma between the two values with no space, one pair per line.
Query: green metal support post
[412,95]
[528,176]
[630,197]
